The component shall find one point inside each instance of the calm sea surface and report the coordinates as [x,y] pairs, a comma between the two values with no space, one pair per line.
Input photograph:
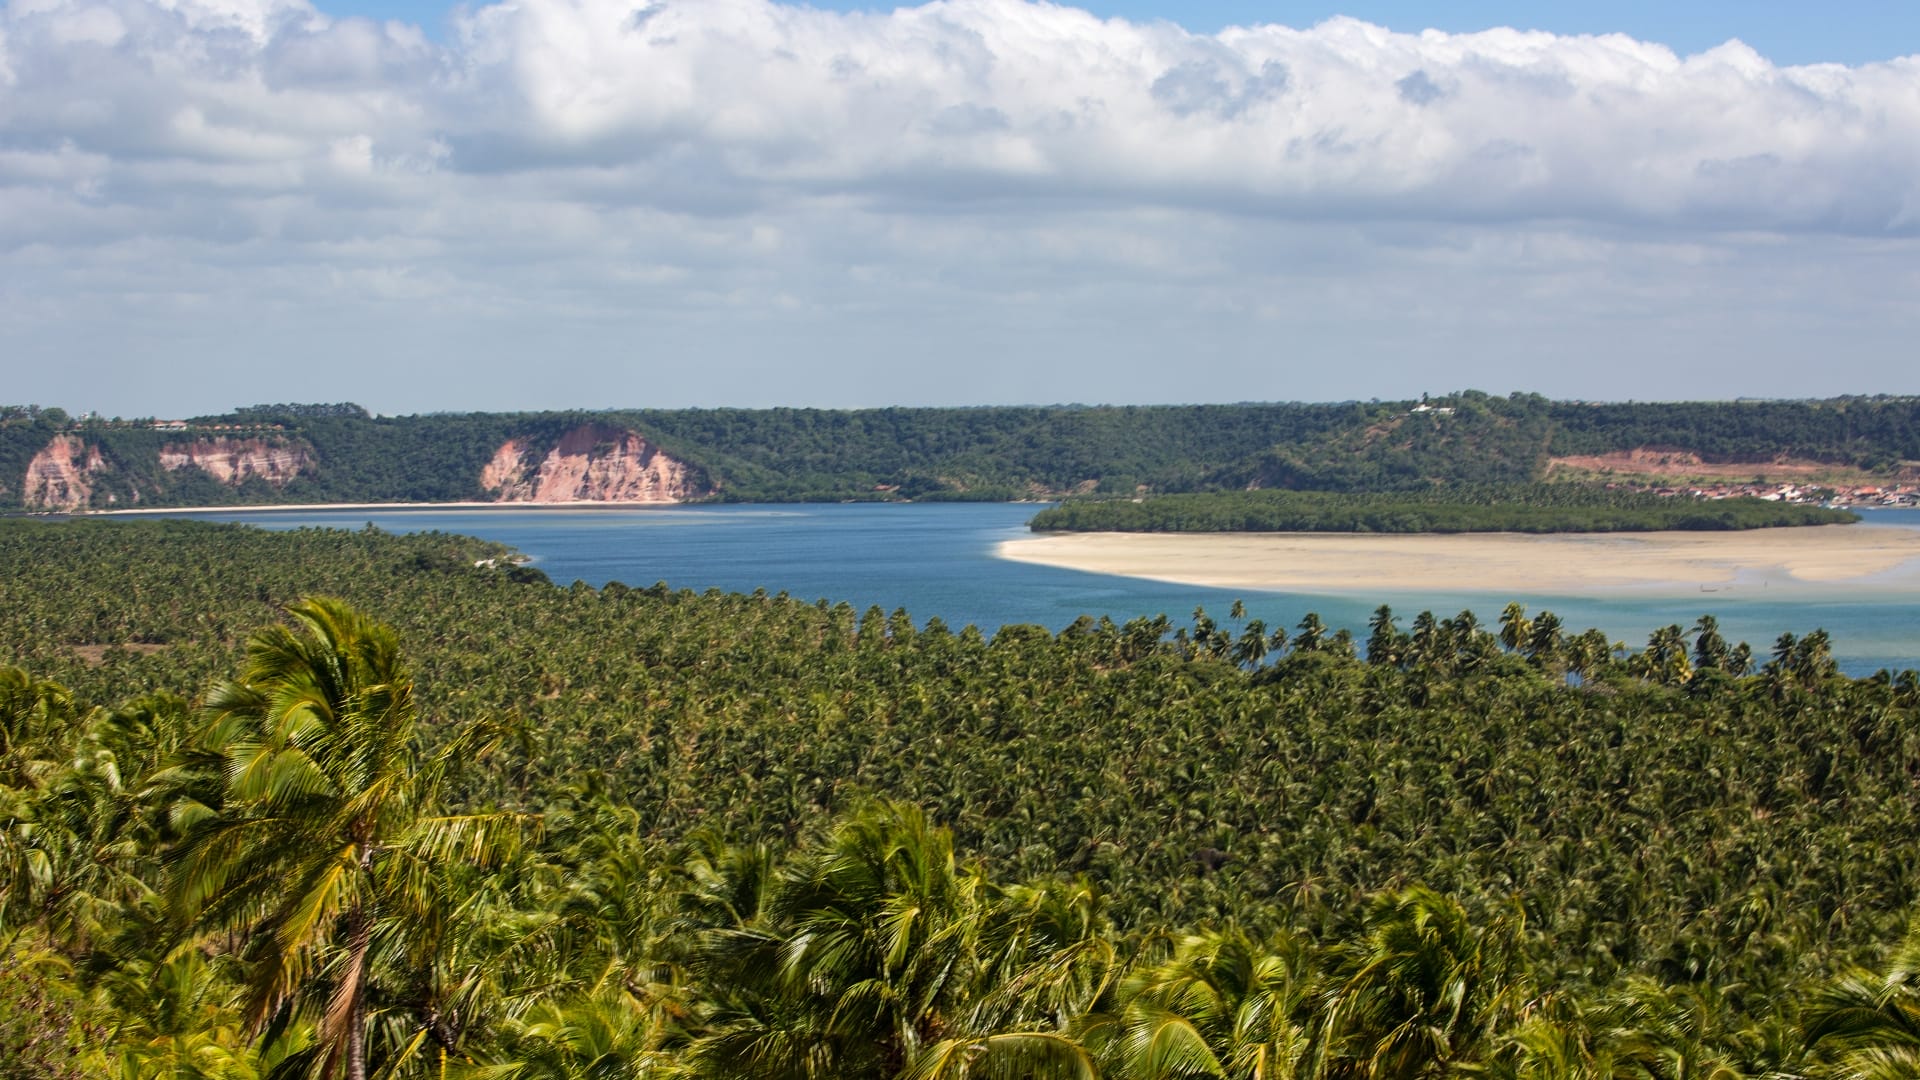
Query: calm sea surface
[938,559]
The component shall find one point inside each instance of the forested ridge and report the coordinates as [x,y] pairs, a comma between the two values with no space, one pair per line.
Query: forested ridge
[1536,508]
[998,452]
[461,822]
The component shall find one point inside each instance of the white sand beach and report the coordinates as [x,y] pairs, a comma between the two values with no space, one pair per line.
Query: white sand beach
[1827,558]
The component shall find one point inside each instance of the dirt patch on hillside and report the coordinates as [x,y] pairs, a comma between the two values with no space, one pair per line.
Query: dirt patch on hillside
[1685,463]
[95,655]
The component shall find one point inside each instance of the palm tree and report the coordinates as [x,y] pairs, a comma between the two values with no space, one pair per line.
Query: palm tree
[1424,990]
[1710,651]
[1867,1027]
[1312,635]
[1208,638]
[1548,643]
[1549,1046]
[880,956]
[1665,660]
[610,1035]
[1385,642]
[1672,1032]
[1516,630]
[1251,649]
[325,853]
[35,718]
[172,1022]
[1222,1006]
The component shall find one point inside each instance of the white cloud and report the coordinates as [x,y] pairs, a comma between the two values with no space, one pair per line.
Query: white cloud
[957,163]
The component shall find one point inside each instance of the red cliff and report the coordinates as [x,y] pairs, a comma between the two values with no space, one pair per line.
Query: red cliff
[60,477]
[233,461]
[590,464]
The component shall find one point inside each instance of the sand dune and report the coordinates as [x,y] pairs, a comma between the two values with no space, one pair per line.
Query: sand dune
[1824,558]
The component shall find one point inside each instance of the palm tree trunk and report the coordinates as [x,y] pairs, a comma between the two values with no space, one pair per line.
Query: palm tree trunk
[357,1043]
[359,942]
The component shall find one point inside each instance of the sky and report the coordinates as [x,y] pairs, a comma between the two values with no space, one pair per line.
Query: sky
[661,203]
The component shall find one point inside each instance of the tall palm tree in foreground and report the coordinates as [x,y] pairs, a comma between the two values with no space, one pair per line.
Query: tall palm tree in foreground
[1424,990]
[881,956]
[1224,1005]
[325,853]
[1867,1026]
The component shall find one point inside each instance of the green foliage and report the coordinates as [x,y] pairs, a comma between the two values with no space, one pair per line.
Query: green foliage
[1869,432]
[779,838]
[1540,508]
[47,1029]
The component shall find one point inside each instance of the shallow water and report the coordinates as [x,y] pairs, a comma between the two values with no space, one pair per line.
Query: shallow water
[938,560]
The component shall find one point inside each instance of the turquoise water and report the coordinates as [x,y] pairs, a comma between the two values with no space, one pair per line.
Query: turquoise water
[938,560]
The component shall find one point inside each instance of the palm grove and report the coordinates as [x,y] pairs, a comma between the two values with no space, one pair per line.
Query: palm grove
[350,804]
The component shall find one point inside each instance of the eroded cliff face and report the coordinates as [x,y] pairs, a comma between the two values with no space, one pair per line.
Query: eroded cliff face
[60,477]
[589,464]
[233,461]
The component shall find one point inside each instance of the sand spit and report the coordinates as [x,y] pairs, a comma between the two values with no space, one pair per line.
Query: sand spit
[1824,558]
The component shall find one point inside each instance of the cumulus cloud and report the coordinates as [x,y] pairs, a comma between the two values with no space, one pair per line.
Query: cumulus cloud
[961,95]
[602,156]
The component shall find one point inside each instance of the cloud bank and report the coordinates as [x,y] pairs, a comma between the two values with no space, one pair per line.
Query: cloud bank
[910,206]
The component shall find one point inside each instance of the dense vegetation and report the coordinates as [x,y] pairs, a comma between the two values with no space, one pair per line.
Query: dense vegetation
[562,832]
[1874,433]
[990,453]
[1539,508]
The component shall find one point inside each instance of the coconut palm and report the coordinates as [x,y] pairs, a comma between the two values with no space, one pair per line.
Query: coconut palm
[880,956]
[326,852]
[1710,651]
[1312,635]
[1385,642]
[1552,1047]
[173,1023]
[608,1036]
[1423,990]
[1516,630]
[1867,1026]
[1665,660]
[33,714]
[1252,648]
[1547,647]
[1671,1032]
[1223,1005]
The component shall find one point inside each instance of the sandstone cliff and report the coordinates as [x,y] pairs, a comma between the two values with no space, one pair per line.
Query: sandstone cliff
[60,477]
[589,464]
[233,461]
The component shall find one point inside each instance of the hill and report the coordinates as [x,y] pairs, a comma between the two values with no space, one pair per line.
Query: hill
[340,453]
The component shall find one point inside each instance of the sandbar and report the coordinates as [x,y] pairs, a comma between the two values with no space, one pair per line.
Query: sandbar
[1824,558]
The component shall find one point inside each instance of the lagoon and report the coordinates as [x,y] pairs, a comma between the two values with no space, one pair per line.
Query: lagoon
[941,560]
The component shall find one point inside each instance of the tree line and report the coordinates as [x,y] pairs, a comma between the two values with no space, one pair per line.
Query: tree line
[772,455]
[1537,508]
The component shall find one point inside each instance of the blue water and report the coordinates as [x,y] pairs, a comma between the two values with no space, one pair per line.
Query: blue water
[938,560]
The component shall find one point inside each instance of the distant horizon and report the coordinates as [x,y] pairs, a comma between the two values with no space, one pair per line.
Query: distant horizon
[83,414]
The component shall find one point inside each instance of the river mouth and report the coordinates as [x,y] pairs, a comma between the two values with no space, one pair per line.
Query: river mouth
[950,561]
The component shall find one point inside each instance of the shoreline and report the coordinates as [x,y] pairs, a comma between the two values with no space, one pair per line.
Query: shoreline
[1782,561]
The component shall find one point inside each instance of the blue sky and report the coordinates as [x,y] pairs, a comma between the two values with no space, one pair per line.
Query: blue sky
[599,203]
[1785,31]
